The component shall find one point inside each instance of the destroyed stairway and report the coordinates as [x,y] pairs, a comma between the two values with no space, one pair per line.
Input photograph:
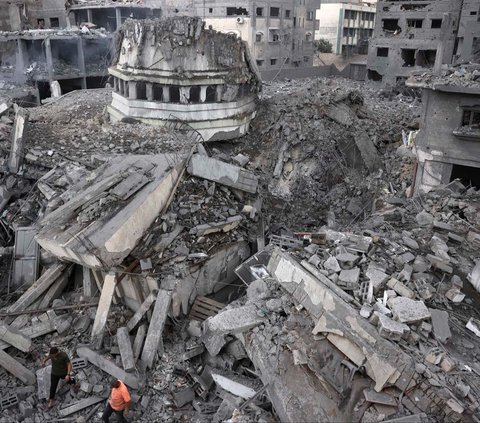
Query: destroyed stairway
[179,125]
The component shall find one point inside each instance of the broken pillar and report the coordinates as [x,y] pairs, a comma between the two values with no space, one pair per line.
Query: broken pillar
[80,405]
[155,329]
[15,338]
[103,308]
[16,369]
[139,341]
[126,351]
[144,307]
[16,152]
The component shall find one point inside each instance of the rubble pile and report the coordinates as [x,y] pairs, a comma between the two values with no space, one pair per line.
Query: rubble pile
[460,75]
[179,268]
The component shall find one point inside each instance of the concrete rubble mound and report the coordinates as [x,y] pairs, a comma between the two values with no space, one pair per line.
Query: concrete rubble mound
[236,282]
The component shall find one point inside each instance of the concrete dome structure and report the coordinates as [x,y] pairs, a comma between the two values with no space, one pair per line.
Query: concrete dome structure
[173,69]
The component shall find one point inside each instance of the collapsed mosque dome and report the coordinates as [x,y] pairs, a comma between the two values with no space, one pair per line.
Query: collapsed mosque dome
[172,71]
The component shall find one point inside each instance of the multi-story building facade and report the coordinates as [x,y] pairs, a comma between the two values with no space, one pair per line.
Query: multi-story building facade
[347,26]
[412,36]
[280,33]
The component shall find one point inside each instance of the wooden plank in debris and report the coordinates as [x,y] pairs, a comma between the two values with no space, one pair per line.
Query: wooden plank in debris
[142,310]
[80,405]
[16,369]
[38,288]
[155,329]
[104,306]
[204,307]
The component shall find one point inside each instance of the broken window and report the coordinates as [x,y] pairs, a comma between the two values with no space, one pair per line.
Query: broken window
[414,23]
[426,58]
[258,37]
[273,35]
[157,92]
[382,51]
[413,6]
[141,91]
[408,57]
[260,62]
[390,25]
[373,75]
[210,10]
[211,95]
[194,94]
[54,23]
[471,117]
[308,36]
[273,62]
[259,11]
[436,23]
[310,15]
[237,11]
[274,12]
[469,176]
[175,94]
[287,14]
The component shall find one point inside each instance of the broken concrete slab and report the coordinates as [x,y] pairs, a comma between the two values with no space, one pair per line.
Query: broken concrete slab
[441,328]
[233,387]
[142,310]
[38,288]
[103,308]
[183,397]
[213,227]
[80,405]
[234,320]
[139,341]
[34,331]
[390,329]
[377,277]
[16,369]
[43,382]
[115,233]
[155,329]
[15,338]
[109,367]
[126,351]
[406,310]
[18,143]
[25,256]
[379,398]
[349,278]
[400,288]
[223,173]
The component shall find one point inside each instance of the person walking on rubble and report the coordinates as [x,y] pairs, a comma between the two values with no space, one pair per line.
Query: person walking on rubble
[118,403]
[61,369]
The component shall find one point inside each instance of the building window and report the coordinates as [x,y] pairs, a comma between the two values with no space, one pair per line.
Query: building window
[471,118]
[390,24]
[157,92]
[273,62]
[382,51]
[273,35]
[210,10]
[260,62]
[373,75]
[350,14]
[259,11]
[237,11]
[258,37]
[408,57]
[54,23]
[275,12]
[436,23]
[425,58]
[287,14]
[175,94]
[310,15]
[414,23]
[211,95]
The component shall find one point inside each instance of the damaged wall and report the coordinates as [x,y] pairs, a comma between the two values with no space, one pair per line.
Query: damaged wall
[173,69]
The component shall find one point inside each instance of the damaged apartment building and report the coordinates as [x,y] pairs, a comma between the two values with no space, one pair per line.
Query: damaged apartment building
[280,34]
[414,35]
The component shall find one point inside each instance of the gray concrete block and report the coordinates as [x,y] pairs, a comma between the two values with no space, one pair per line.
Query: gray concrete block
[406,310]
[43,382]
[126,351]
[441,328]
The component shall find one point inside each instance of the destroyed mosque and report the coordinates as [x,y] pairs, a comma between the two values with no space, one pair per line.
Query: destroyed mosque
[233,249]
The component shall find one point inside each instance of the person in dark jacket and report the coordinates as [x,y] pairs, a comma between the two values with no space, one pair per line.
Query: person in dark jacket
[61,369]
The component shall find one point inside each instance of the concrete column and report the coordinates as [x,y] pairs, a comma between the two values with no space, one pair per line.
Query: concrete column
[132,90]
[219,93]
[203,93]
[21,60]
[48,55]
[118,15]
[149,90]
[89,16]
[166,94]
[115,84]
[81,56]
[184,95]
[103,308]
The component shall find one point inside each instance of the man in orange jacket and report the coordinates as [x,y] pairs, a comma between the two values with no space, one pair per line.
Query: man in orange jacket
[118,403]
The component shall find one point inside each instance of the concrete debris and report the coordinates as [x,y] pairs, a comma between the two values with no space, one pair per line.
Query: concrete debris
[441,328]
[406,310]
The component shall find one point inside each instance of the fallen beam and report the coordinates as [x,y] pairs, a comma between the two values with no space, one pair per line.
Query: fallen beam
[147,303]
[55,290]
[109,367]
[80,405]
[34,331]
[103,307]
[38,288]
[138,341]
[43,310]
[155,329]
[126,352]
[16,369]
[18,142]
[15,338]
